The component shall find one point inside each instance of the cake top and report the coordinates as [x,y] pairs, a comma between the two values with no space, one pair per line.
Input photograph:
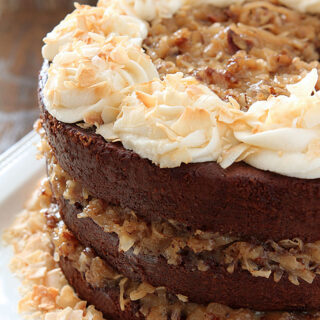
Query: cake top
[185,81]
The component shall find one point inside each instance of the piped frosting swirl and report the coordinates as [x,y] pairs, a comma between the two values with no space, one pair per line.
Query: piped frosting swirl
[282,134]
[169,122]
[87,80]
[85,20]
[100,75]
[179,120]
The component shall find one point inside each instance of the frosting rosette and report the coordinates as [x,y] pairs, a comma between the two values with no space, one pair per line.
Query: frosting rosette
[86,80]
[282,134]
[169,122]
[145,9]
[85,20]
[102,75]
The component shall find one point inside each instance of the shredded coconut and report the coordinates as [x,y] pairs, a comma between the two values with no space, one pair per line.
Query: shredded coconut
[46,293]
[49,297]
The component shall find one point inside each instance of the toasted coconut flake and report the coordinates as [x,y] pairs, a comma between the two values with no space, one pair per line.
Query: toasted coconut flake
[96,77]
[169,239]
[46,294]
[67,298]
[122,301]
[86,21]
[143,289]
[182,298]
[87,79]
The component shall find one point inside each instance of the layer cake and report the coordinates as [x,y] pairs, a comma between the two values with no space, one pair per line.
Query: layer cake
[182,147]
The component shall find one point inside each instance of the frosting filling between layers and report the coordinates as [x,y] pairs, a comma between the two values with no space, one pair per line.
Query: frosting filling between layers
[155,303]
[179,120]
[49,296]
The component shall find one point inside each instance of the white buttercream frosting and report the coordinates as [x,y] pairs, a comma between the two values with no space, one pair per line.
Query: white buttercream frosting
[284,132]
[84,20]
[87,81]
[128,17]
[145,9]
[100,75]
[179,121]
[169,122]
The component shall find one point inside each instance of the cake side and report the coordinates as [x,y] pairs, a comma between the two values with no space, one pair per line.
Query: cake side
[217,267]
[236,289]
[49,294]
[240,200]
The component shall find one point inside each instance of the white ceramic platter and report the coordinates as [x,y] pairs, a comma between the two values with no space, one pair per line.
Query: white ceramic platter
[20,172]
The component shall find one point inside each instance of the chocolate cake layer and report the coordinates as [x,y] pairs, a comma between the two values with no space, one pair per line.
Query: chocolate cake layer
[161,305]
[240,200]
[239,289]
[104,299]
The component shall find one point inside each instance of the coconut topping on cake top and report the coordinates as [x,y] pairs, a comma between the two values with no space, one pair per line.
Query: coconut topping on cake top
[194,81]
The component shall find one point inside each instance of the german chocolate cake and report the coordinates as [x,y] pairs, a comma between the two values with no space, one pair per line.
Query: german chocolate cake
[182,141]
